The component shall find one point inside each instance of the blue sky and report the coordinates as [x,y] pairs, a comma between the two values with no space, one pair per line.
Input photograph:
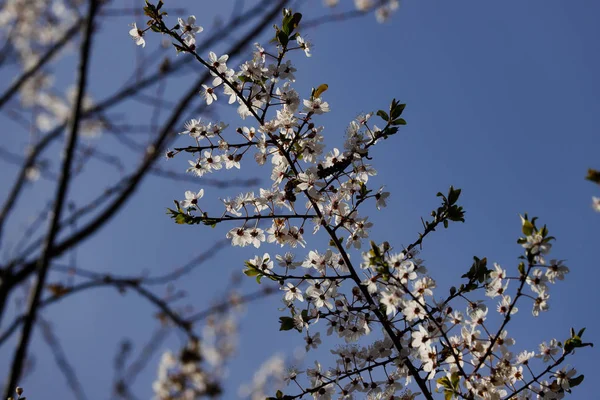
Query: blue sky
[502,100]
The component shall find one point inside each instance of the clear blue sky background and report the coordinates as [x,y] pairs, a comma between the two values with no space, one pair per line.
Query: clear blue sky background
[502,102]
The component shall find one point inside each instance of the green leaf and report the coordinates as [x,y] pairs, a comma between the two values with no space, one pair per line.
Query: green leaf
[455,378]
[571,344]
[282,38]
[399,121]
[396,109]
[316,93]
[575,341]
[383,115]
[388,132]
[291,22]
[470,287]
[304,315]
[527,228]
[296,20]
[210,222]
[478,271]
[453,195]
[456,214]
[593,176]
[522,268]
[287,323]
[576,381]
[251,272]
[444,382]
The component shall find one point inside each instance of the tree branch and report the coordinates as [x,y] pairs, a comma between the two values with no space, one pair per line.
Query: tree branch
[61,194]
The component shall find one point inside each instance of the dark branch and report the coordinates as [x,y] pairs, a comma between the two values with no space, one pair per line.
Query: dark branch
[61,194]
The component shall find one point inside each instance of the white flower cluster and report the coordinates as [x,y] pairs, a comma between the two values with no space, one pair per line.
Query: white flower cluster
[269,373]
[383,9]
[186,376]
[32,28]
[181,377]
[424,338]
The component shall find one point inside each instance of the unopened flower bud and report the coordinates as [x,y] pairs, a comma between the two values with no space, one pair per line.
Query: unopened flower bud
[19,390]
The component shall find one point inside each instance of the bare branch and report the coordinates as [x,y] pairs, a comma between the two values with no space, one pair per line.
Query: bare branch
[61,194]
[61,360]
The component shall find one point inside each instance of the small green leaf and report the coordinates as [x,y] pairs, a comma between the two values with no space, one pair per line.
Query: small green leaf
[399,121]
[453,195]
[389,131]
[287,323]
[478,271]
[251,272]
[396,110]
[456,214]
[291,22]
[576,381]
[455,379]
[444,382]
[522,268]
[383,115]
[527,228]
[593,176]
[282,38]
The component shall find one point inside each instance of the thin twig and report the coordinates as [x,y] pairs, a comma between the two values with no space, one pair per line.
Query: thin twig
[61,360]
